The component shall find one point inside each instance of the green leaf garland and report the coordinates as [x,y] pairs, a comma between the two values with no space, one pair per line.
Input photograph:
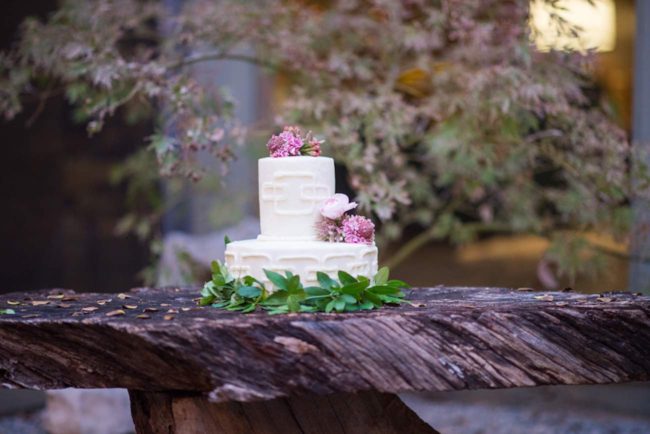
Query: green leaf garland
[345,294]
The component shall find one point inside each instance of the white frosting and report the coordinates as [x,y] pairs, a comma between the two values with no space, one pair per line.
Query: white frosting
[291,190]
[304,258]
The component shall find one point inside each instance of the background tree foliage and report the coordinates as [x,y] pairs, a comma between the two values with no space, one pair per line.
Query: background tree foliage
[445,115]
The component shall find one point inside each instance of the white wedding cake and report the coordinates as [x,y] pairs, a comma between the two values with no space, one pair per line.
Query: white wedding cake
[298,210]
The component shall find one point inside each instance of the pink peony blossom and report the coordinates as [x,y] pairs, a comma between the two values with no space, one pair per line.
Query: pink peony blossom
[358,230]
[335,206]
[286,144]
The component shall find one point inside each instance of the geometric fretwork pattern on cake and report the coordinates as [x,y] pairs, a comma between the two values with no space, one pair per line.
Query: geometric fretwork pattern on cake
[304,264]
[294,193]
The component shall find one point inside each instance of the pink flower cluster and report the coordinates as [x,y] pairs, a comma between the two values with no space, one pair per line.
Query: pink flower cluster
[335,226]
[358,229]
[290,143]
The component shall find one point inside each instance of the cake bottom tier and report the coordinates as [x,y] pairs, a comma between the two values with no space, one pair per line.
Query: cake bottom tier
[305,258]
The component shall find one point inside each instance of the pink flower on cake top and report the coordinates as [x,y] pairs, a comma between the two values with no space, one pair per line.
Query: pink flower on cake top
[291,143]
[337,227]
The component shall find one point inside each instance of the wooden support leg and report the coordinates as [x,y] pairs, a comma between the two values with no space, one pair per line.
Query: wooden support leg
[367,412]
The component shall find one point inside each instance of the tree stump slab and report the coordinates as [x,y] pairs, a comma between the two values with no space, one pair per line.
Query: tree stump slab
[171,353]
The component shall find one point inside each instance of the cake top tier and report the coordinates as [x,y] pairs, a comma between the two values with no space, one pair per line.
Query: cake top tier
[291,191]
[296,191]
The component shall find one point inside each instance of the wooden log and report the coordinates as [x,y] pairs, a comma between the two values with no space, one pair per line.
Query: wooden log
[365,412]
[445,339]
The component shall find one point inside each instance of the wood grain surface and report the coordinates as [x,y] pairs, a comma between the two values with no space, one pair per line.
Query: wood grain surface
[443,339]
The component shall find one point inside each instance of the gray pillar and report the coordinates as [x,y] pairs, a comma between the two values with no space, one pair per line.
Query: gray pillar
[640,249]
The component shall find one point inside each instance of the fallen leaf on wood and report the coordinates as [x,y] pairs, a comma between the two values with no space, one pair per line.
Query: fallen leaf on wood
[525,289]
[604,299]
[165,304]
[123,296]
[40,303]
[172,311]
[31,315]
[63,305]
[56,296]
[117,312]
[143,316]
[562,303]
[130,306]
[186,309]
[150,309]
[103,302]
[69,298]
[168,317]
[89,309]
[545,297]
[13,302]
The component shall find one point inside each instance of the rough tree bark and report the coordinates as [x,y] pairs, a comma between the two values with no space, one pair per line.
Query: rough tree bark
[364,412]
[443,339]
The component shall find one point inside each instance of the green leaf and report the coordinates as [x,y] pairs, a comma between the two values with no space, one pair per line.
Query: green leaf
[384,290]
[348,299]
[277,298]
[316,291]
[207,300]
[398,284]
[382,276]
[251,281]
[346,278]
[250,308]
[208,289]
[339,305]
[330,306]
[373,298]
[293,284]
[293,303]
[249,291]
[279,310]
[218,280]
[226,240]
[227,277]
[366,305]
[215,267]
[390,299]
[277,279]
[355,289]
[326,281]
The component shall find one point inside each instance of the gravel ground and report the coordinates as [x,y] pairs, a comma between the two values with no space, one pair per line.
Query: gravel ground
[458,418]
[622,409]
[612,409]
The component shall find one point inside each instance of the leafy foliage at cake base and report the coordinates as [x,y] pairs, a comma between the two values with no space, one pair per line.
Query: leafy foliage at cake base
[343,294]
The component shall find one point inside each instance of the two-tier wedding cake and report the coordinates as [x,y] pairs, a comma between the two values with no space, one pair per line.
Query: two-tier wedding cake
[304,225]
